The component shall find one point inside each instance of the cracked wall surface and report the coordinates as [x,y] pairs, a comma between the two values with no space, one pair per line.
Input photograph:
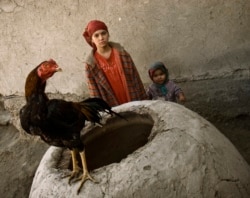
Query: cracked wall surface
[196,39]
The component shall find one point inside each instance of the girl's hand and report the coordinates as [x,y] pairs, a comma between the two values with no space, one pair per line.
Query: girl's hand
[182,98]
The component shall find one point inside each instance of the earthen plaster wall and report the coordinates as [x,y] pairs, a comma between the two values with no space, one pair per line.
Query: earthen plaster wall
[196,39]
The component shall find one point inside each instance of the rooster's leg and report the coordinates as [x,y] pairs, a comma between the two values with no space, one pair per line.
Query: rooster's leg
[76,168]
[86,176]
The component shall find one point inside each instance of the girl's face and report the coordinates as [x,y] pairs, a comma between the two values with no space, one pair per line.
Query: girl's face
[159,76]
[100,38]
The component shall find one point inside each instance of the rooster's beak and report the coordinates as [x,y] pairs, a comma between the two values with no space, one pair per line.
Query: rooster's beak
[58,69]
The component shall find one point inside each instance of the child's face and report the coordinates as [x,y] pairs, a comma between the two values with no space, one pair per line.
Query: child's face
[159,76]
[100,38]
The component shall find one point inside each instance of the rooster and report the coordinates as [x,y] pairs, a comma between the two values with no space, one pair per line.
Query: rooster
[59,122]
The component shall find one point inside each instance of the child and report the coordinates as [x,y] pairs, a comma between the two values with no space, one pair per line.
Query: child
[162,88]
[110,71]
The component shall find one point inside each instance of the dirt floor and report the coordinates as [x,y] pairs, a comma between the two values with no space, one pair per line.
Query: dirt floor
[237,130]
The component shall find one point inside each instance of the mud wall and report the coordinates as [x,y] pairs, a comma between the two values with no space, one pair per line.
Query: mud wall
[196,39]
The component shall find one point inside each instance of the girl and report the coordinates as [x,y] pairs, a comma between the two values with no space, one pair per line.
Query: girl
[110,71]
[162,88]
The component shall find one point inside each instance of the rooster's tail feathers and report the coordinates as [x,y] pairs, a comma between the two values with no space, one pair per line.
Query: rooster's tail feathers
[91,113]
[104,106]
[92,107]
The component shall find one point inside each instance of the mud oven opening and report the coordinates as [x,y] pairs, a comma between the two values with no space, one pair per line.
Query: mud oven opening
[114,141]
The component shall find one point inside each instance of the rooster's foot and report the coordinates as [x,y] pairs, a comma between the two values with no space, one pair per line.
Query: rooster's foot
[85,177]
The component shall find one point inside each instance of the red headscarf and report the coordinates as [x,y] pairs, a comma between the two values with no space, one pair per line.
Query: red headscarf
[91,28]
